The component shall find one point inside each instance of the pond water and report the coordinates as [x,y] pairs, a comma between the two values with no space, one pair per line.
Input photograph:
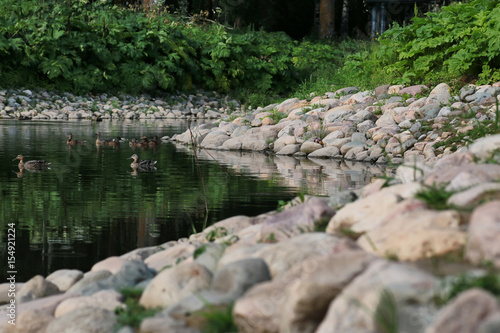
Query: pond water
[91,205]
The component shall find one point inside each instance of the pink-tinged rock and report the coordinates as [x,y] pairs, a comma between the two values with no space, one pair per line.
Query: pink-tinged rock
[465,313]
[413,90]
[496,84]
[65,278]
[389,108]
[308,298]
[416,105]
[354,308]
[448,167]
[140,253]
[112,264]
[415,233]
[475,194]
[169,257]
[173,284]
[440,94]
[262,308]
[363,214]
[105,299]
[420,145]
[296,220]
[484,233]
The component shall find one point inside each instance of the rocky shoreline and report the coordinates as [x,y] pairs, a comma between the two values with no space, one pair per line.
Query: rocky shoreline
[311,267]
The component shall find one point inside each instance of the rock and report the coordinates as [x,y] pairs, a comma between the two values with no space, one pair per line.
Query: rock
[380,90]
[65,278]
[363,214]
[440,94]
[326,152]
[131,273]
[475,194]
[289,149]
[175,283]
[237,277]
[350,145]
[465,313]
[491,324]
[413,90]
[89,278]
[296,220]
[169,257]
[307,299]
[164,324]
[112,264]
[484,232]
[309,147]
[33,321]
[36,287]
[83,320]
[210,255]
[214,140]
[141,253]
[415,234]
[104,299]
[353,309]
[485,147]
[287,104]
[347,91]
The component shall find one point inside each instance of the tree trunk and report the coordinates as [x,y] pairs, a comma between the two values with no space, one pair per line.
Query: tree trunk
[327,19]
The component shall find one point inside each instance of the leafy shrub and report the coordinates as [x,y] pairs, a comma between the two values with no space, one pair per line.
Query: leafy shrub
[460,40]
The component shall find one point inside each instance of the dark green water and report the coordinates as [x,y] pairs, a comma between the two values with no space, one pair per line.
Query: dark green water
[90,205]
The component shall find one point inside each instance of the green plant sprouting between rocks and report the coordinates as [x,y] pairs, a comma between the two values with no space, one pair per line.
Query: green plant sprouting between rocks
[133,313]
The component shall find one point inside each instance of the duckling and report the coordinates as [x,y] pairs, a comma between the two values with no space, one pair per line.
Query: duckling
[33,165]
[143,165]
[99,141]
[70,140]
[318,140]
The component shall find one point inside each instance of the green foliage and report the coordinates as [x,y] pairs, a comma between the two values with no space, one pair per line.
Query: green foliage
[276,116]
[459,40]
[133,313]
[435,196]
[386,313]
[489,282]
[218,319]
[199,251]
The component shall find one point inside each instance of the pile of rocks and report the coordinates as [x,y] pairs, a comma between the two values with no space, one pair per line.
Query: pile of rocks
[43,105]
[283,275]
[388,124]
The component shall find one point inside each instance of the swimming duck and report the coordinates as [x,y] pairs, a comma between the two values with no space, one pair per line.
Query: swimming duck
[99,141]
[142,165]
[114,143]
[70,140]
[134,143]
[33,165]
[154,142]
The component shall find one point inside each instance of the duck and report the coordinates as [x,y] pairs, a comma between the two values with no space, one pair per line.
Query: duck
[114,143]
[99,141]
[70,140]
[154,142]
[33,165]
[134,143]
[142,165]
